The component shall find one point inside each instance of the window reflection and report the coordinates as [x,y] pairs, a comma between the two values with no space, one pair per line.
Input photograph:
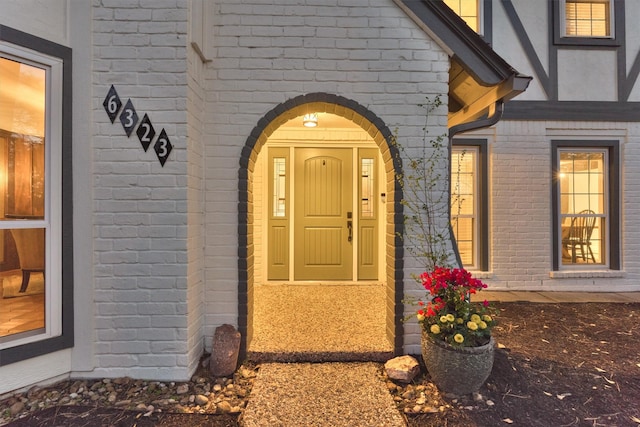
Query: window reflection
[583,206]
[22,199]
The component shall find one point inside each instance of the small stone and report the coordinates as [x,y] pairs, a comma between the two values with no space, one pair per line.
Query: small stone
[201,400]
[141,407]
[403,368]
[408,395]
[112,397]
[217,387]
[73,395]
[477,397]
[417,409]
[235,410]
[182,389]
[224,407]
[16,408]
[490,403]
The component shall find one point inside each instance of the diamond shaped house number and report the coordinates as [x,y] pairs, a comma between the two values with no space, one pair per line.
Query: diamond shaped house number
[129,118]
[163,147]
[145,132]
[112,104]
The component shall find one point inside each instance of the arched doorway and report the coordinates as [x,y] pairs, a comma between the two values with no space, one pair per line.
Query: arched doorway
[284,171]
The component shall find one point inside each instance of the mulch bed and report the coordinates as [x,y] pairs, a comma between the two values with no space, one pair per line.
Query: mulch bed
[557,365]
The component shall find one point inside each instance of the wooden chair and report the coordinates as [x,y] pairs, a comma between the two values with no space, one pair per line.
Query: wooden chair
[31,252]
[579,236]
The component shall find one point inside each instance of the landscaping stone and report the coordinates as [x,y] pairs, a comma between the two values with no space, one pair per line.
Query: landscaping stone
[403,369]
[226,347]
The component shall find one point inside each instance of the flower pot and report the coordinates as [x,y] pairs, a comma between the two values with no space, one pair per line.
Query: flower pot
[457,370]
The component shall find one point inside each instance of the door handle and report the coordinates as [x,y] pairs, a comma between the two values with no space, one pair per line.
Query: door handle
[350,228]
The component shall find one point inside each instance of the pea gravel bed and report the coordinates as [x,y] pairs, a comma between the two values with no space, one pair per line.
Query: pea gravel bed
[323,394]
[319,322]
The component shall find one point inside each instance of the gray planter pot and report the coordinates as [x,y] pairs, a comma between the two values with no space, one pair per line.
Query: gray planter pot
[457,370]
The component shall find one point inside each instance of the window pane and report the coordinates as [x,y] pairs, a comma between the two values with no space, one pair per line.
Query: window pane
[366,188]
[464,210]
[467,10]
[588,18]
[583,206]
[22,281]
[279,187]
[22,198]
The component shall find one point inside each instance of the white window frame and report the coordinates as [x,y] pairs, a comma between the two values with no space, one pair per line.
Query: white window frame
[563,21]
[52,221]
[475,258]
[605,250]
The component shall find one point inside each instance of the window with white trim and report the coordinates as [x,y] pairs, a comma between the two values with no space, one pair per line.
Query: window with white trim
[585,205]
[32,128]
[469,202]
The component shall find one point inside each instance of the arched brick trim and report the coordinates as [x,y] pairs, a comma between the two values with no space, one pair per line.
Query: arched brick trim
[380,133]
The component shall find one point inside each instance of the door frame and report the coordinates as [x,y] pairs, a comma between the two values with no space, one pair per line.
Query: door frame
[394,256]
[276,255]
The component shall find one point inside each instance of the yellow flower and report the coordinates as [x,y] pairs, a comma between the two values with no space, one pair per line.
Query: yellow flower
[475,318]
[482,325]
[459,321]
[450,317]
[458,338]
[435,329]
[420,317]
[472,325]
[486,318]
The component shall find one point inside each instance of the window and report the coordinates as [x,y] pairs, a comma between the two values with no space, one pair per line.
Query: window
[587,18]
[586,22]
[32,130]
[585,206]
[469,203]
[468,10]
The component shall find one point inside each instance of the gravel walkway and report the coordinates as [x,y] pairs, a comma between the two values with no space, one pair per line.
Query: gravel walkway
[289,319]
[321,394]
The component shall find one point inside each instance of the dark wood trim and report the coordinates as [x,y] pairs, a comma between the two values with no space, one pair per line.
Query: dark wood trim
[603,111]
[529,50]
[613,146]
[483,195]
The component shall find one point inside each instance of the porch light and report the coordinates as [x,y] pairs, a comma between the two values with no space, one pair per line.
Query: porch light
[310,120]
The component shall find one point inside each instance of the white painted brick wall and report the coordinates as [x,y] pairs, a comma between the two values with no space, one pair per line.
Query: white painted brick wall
[141,223]
[368,51]
[520,206]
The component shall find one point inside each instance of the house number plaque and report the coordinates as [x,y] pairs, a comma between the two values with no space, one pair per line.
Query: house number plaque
[129,119]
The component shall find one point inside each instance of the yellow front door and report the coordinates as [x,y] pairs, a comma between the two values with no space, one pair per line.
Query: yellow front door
[323,224]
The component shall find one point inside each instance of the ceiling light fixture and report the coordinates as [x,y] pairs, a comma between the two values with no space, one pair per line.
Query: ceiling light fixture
[310,120]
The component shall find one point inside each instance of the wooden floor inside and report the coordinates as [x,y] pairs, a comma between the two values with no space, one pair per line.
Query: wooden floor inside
[21,314]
